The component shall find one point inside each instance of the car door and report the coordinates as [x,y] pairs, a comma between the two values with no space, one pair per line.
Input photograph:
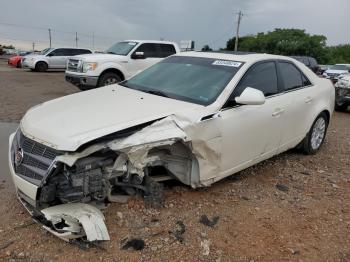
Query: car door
[298,98]
[58,58]
[252,132]
[150,57]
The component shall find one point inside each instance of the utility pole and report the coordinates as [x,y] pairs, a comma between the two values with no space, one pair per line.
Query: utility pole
[240,14]
[50,36]
[76,39]
[33,47]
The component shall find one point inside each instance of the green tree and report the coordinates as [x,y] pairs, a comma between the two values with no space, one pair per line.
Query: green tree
[339,54]
[206,48]
[284,42]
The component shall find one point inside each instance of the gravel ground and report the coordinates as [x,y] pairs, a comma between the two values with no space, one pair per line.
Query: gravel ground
[289,208]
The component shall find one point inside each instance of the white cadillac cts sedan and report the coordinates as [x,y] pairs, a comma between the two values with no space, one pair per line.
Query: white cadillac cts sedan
[195,117]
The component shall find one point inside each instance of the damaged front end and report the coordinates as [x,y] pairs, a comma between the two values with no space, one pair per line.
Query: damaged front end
[70,185]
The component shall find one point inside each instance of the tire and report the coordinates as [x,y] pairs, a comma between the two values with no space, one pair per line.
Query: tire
[316,135]
[109,79]
[41,67]
[19,64]
[338,106]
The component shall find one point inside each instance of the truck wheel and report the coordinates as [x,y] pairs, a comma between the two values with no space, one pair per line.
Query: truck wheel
[340,106]
[109,79]
[315,137]
[41,67]
[19,64]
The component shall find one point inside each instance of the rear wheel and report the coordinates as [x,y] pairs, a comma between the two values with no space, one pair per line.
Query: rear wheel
[109,79]
[315,137]
[41,67]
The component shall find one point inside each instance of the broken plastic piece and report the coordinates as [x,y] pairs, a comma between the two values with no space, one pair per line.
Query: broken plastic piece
[76,220]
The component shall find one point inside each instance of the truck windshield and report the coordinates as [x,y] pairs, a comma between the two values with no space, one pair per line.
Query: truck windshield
[193,79]
[121,48]
[46,51]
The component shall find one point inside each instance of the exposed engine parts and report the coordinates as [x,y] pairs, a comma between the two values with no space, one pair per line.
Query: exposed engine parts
[105,174]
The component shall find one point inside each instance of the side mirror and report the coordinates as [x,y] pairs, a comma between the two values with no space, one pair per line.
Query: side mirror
[251,96]
[138,55]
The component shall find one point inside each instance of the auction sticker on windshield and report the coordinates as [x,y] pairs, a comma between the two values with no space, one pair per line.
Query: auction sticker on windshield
[227,63]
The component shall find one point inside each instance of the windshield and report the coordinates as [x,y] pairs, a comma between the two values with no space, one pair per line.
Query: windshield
[339,67]
[121,48]
[192,79]
[45,51]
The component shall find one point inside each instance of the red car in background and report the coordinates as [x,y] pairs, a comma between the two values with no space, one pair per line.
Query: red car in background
[17,60]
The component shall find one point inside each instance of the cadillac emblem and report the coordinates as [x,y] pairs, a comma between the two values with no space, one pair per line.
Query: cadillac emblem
[19,156]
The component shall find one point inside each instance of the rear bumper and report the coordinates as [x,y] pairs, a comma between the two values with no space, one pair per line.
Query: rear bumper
[82,81]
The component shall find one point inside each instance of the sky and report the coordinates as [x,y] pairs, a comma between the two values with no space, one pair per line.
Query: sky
[100,23]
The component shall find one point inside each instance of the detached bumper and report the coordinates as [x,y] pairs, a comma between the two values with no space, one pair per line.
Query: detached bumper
[82,81]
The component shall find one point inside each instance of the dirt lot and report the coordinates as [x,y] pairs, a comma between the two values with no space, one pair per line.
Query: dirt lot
[289,208]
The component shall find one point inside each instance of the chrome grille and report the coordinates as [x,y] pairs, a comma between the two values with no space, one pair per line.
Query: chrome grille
[36,160]
[73,65]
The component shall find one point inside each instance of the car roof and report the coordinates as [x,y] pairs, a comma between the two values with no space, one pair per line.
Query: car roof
[149,41]
[240,56]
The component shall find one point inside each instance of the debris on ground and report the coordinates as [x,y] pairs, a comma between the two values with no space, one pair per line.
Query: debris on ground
[179,231]
[206,221]
[205,244]
[282,187]
[135,243]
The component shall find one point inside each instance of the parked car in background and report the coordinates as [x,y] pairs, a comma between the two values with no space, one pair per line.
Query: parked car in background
[323,68]
[310,62]
[17,60]
[194,117]
[52,58]
[121,61]
[334,71]
[342,92]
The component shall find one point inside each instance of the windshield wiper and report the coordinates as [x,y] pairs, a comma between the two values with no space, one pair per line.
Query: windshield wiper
[155,92]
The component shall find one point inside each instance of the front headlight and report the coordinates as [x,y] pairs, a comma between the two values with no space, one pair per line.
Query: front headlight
[89,66]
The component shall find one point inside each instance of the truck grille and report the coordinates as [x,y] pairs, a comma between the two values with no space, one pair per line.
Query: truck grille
[35,161]
[74,65]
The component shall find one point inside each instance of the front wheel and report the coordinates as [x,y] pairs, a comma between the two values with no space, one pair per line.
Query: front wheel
[41,67]
[315,137]
[109,79]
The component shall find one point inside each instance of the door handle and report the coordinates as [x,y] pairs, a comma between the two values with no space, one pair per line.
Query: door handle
[308,100]
[278,112]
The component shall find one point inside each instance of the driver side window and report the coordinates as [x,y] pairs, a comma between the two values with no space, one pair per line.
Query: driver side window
[262,76]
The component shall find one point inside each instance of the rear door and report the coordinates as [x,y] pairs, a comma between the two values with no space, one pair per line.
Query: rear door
[298,99]
[253,132]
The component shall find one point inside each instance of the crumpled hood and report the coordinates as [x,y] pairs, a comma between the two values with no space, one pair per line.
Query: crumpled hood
[100,57]
[71,121]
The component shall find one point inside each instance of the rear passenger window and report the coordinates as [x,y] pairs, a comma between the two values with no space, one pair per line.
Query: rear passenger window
[291,76]
[149,50]
[262,76]
[80,51]
[166,50]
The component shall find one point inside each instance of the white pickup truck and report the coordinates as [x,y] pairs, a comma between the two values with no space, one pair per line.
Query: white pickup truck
[121,61]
